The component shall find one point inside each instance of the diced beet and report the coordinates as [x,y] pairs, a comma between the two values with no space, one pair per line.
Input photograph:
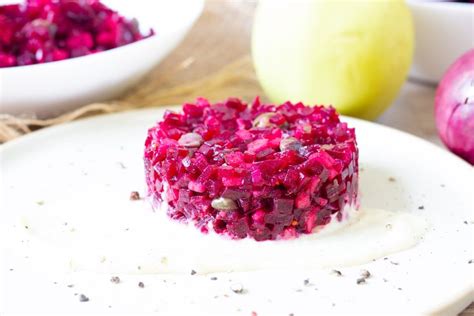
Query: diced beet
[303,200]
[197,186]
[39,31]
[258,145]
[236,194]
[260,171]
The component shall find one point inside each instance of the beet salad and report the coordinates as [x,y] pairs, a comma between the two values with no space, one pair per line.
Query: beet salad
[41,31]
[254,170]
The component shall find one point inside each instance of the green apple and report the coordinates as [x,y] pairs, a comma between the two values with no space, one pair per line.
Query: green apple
[352,54]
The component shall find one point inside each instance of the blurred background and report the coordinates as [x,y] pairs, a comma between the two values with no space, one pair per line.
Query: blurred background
[366,58]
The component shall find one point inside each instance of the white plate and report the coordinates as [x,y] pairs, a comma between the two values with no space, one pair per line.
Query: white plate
[105,154]
[56,87]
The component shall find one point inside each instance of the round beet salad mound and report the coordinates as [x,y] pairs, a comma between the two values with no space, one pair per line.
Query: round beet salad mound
[41,31]
[259,170]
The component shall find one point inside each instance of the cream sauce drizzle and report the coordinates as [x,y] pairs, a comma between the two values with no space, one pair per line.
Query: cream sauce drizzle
[126,236]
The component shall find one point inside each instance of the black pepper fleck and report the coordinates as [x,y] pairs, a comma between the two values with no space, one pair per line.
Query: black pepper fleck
[360,280]
[391,179]
[213,278]
[115,279]
[421,207]
[465,222]
[365,274]
[141,285]
[336,272]
[134,196]
[470,261]
[83,298]
[306,282]
[193,272]
[394,263]
[70,285]
[237,288]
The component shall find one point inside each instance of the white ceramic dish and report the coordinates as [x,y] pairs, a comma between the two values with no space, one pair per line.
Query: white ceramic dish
[104,154]
[51,88]
[443,32]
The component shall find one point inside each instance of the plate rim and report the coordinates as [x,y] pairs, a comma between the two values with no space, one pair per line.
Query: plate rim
[345,119]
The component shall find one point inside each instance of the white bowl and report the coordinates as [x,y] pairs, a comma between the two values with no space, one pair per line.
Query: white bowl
[51,88]
[443,32]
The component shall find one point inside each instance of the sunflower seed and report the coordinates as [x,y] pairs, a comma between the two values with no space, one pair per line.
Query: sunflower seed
[190,140]
[263,120]
[290,143]
[223,204]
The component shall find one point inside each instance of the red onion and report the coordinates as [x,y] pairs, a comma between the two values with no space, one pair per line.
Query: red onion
[454,107]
